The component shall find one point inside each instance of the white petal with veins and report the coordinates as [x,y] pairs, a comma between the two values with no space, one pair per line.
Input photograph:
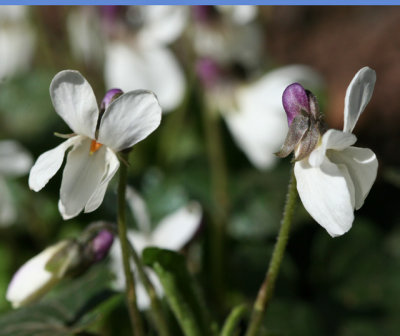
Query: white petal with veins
[112,165]
[49,163]
[74,101]
[129,119]
[358,95]
[81,177]
[327,193]
[362,166]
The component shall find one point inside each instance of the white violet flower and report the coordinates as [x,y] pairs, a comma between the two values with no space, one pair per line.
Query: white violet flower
[140,57]
[333,177]
[92,162]
[173,232]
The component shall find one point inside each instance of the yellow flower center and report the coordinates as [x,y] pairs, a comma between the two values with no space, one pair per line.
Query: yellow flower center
[94,147]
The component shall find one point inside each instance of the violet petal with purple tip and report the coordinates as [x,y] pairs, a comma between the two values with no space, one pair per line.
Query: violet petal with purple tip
[295,99]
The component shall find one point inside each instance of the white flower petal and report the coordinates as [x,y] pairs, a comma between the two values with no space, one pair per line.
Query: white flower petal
[153,68]
[358,95]
[75,102]
[116,267]
[8,213]
[362,166]
[175,230]
[139,210]
[162,24]
[139,241]
[327,193]
[258,123]
[129,119]
[32,280]
[17,42]
[332,139]
[49,163]
[14,159]
[81,177]
[143,300]
[112,165]
[85,37]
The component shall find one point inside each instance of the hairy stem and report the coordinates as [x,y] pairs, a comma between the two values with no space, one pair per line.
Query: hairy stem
[267,287]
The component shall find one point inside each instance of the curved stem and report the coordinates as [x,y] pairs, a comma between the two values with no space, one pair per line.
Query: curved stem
[267,287]
[134,313]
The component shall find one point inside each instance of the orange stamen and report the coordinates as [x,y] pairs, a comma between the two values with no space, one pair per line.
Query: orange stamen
[94,146]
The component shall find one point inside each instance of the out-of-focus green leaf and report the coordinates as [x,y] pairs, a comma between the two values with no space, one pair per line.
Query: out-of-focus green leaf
[68,312]
[25,104]
[180,290]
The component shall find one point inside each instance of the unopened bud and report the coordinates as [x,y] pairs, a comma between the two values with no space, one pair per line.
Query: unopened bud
[101,245]
[305,122]
[109,97]
[33,279]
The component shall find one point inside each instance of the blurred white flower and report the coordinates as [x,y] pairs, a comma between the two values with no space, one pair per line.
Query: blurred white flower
[66,258]
[172,232]
[85,35]
[239,14]
[16,41]
[92,162]
[335,178]
[14,161]
[227,34]
[253,111]
[141,58]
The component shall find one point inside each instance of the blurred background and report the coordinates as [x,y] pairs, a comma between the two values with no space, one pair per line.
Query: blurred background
[219,72]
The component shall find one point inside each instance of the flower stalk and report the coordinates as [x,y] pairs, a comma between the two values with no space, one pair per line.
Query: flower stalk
[134,312]
[267,288]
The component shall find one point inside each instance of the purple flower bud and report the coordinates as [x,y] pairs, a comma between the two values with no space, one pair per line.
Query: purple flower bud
[101,244]
[295,99]
[208,71]
[109,97]
[202,13]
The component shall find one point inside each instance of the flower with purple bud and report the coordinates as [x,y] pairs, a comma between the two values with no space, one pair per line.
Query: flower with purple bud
[333,177]
[92,161]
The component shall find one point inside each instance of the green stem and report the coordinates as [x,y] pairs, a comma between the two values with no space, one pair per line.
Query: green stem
[158,314]
[219,181]
[267,288]
[233,320]
[134,313]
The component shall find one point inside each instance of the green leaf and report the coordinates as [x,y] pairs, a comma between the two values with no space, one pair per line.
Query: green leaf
[68,312]
[180,290]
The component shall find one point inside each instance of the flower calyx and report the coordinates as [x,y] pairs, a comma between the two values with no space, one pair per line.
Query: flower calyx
[305,122]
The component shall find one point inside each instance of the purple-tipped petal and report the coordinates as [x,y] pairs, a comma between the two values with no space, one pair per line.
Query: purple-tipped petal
[109,97]
[101,244]
[295,99]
